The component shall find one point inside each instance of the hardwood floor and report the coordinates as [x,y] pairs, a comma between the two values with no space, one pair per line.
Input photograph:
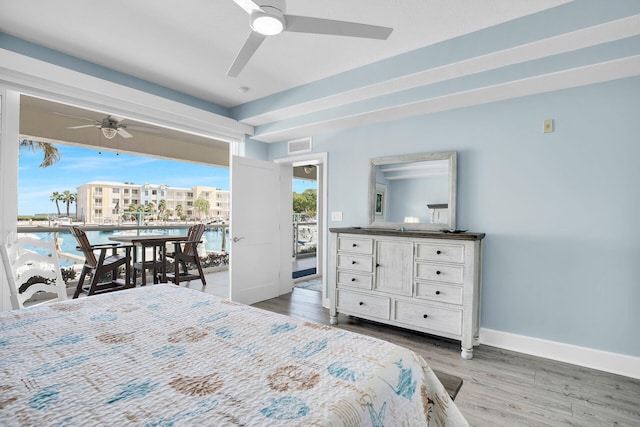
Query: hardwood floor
[501,388]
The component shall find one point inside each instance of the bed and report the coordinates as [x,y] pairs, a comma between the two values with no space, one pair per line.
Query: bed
[164,355]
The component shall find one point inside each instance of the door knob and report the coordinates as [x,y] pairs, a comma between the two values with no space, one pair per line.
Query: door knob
[237,239]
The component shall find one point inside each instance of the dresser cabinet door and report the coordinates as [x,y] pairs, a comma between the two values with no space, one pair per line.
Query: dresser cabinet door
[394,267]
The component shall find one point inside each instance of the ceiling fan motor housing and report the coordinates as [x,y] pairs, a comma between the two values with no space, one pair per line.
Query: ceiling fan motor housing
[268,21]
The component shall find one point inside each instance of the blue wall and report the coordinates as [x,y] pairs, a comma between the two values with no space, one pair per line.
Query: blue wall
[562,252]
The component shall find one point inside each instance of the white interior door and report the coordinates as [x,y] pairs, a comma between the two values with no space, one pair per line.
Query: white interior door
[258,193]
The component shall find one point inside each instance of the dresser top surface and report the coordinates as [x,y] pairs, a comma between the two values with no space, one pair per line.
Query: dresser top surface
[410,233]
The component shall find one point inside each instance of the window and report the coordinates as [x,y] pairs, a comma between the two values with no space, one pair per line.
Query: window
[115,190]
[154,192]
[126,191]
[98,191]
[97,201]
[190,195]
[97,213]
[134,192]
[146,192]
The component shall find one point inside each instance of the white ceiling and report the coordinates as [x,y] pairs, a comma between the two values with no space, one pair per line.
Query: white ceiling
[188,45]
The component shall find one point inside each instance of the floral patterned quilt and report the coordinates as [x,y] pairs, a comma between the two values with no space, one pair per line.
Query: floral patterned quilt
[163,355]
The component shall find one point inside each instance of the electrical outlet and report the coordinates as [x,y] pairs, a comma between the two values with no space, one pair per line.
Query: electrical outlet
[547,126]
[336,216]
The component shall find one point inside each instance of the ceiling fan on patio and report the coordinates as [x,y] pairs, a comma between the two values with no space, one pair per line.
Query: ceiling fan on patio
[268,18]
[110,126]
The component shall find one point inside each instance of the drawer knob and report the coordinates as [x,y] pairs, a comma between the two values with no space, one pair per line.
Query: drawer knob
[438,252]
[424,316]
[437,292]
[353,262]
[355,245]
[361,303]
[438,272]
[353,279]
[377,265]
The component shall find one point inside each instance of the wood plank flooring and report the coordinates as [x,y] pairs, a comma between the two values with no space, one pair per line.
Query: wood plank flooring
[501,388]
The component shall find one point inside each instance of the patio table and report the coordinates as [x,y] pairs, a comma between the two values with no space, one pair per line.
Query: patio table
[157,242]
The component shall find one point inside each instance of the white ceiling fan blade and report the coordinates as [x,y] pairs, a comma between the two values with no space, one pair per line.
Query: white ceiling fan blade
[248,5]
[123,133]
[250,46]
[306,24]
[82,126]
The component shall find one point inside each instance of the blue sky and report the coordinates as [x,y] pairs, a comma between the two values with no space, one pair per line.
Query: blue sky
[80,165]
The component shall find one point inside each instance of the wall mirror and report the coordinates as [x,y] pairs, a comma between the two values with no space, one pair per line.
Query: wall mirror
[413,192]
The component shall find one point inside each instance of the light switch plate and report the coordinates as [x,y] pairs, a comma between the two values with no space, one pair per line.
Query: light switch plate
[336,216]
[548,126]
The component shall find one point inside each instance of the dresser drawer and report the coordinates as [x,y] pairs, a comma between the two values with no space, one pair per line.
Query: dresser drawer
[440,273]
[355,262]
[439,292]
[441,319]
[440,252]
[355,245]
[355,280]
[367,305]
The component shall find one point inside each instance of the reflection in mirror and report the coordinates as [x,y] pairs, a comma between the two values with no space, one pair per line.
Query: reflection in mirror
[413,192]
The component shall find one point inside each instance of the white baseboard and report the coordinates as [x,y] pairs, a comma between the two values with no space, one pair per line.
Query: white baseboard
[615,363]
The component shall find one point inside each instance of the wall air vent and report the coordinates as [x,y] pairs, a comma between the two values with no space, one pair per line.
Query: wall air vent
[302,145]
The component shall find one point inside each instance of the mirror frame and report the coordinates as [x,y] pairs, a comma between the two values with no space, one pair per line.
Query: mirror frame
[444,155]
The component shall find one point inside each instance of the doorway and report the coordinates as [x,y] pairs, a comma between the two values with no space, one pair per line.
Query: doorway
[305,223]
[312,233]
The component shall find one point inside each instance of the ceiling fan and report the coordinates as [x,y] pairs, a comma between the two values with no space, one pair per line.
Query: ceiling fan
[268,18]
[110,127]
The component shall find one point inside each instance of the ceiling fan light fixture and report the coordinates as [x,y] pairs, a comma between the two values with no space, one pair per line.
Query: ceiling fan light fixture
[269,21]
[109,132]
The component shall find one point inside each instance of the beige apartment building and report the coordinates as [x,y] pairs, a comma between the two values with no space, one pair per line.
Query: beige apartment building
[106,202]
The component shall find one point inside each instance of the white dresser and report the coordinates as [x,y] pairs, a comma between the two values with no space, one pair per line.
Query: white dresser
[425,281]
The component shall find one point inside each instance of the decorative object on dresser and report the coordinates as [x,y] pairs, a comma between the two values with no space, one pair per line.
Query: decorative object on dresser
[420,280]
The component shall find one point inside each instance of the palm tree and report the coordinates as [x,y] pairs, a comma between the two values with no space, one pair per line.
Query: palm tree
[135,208]
[57,198]
[162,207]
[179,211]
[202,206]
[51,153]
[68,197]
